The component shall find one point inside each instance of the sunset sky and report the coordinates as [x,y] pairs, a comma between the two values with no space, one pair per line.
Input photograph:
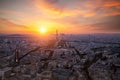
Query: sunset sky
[67,16]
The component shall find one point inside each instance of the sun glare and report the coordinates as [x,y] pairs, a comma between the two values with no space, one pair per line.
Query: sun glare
[43,30]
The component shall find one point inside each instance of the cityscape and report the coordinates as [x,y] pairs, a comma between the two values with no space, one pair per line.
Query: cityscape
[59,39]
[72,57]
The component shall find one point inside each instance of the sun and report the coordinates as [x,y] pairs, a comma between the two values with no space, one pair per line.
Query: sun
[43,30]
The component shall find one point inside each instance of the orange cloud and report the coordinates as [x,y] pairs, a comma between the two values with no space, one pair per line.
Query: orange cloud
[112,4]
[57,8]
[111,13]
[60,8]
[7,26]
[47,6]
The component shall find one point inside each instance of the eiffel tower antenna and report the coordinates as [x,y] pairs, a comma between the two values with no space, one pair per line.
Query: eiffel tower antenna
[56,34]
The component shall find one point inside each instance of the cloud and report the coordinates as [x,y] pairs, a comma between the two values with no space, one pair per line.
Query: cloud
[5,22]
[85,8]
[7,26]
[106,24]
[56,8]
[112,3]
[111,25]
[50,5]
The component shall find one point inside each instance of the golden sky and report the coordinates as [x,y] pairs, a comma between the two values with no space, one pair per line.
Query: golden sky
[67,16]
